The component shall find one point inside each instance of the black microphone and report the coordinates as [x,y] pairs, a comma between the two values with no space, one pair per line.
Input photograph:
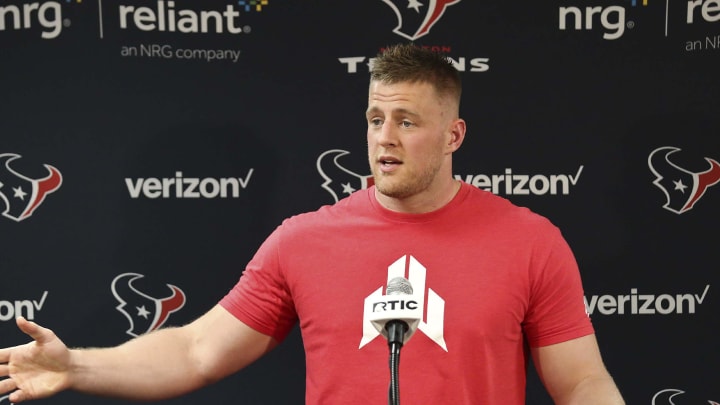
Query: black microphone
[397,328]
[401,313]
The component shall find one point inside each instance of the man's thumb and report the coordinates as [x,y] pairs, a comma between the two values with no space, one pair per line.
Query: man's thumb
[35,331]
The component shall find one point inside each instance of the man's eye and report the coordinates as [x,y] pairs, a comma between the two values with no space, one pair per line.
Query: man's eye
[376,122]
[406,124]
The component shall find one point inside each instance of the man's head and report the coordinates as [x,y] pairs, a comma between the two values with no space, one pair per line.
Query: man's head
[413,128]
[413,64]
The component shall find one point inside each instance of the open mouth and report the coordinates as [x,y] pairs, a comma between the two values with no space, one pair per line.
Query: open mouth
[389,161]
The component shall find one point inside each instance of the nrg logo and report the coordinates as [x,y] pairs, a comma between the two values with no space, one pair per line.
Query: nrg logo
[612,19]
[46,16]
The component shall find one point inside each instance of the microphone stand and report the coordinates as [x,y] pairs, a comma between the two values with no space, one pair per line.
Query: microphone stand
[396,333]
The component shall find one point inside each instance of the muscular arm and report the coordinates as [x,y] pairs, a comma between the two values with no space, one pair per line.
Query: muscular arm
[163,364]
[574,374]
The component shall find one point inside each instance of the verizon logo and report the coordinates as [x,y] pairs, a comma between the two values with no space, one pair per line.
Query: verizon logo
[187,187]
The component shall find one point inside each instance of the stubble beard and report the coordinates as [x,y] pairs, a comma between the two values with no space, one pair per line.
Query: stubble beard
[405,185]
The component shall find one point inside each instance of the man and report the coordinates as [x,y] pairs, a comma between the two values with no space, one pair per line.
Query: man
[501,285]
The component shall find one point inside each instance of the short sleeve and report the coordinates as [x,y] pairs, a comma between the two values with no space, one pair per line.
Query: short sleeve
[261,298]
[556,311]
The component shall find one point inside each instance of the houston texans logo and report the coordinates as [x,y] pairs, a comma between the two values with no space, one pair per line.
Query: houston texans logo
[339,181]
[415,18]
[22,195]
[682,187]
[145,313]
[665,397]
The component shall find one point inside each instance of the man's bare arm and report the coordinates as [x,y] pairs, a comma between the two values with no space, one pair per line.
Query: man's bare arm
[573,373]
[162,364]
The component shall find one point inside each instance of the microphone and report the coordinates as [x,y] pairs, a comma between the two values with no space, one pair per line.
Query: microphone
[397,314]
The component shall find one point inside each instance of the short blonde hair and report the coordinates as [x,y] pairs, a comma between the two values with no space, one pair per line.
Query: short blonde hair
[411,63]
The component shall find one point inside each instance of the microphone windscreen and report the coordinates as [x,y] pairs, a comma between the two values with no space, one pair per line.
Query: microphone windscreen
[399,285]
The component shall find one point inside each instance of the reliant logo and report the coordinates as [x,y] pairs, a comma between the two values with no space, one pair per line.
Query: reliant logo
[9,310]
[47,16]
[165,16]
[707,10]
[699,13]
[415,19]
[21,194]
[187,187]
[611,19]
[433,324]
[511,183]
[645,304]
[682,188]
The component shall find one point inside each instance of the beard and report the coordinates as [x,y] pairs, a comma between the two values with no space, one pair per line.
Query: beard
[406,182]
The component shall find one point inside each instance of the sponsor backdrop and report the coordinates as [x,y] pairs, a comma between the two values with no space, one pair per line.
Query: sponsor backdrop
[148,147]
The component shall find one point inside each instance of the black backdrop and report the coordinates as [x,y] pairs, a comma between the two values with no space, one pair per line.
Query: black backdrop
[567,112]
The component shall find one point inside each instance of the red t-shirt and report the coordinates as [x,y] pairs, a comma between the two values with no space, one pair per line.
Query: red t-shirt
[495,278]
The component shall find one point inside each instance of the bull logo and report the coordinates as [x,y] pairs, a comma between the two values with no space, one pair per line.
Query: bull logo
[21,194]
[339,181]
[145,313]
[415,18]
[665,397]
[682,188]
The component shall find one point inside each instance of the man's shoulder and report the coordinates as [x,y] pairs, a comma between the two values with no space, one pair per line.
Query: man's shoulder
[500,208]
[353,205]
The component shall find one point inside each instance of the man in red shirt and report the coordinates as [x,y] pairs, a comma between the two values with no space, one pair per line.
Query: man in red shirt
[499,285]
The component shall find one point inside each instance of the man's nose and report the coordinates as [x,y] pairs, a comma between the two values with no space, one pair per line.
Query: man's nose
[388,135]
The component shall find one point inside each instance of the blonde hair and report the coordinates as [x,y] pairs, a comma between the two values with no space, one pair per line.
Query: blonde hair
[411,63]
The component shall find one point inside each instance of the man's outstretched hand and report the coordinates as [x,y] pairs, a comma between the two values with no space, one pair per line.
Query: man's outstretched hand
[38,369]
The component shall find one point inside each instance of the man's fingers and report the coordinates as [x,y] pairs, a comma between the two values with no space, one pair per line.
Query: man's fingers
[5,354]
[7,385]
[16,397]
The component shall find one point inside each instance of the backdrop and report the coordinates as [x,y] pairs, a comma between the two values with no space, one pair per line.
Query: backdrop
[147,148]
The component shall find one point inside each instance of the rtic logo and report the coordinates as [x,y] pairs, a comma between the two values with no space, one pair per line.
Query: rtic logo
[339,181]
[146,313]
[415,18]
[665,397]
[21,194]
[394,304]
[682,188]
[432,326]
[47,15]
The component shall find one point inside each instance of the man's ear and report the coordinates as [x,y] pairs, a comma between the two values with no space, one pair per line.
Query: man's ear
[456,134]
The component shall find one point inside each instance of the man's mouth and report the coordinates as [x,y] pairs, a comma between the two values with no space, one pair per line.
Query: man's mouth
[389,161]
[388,164]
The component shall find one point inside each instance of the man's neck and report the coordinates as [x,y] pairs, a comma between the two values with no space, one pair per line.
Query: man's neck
[427,201]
